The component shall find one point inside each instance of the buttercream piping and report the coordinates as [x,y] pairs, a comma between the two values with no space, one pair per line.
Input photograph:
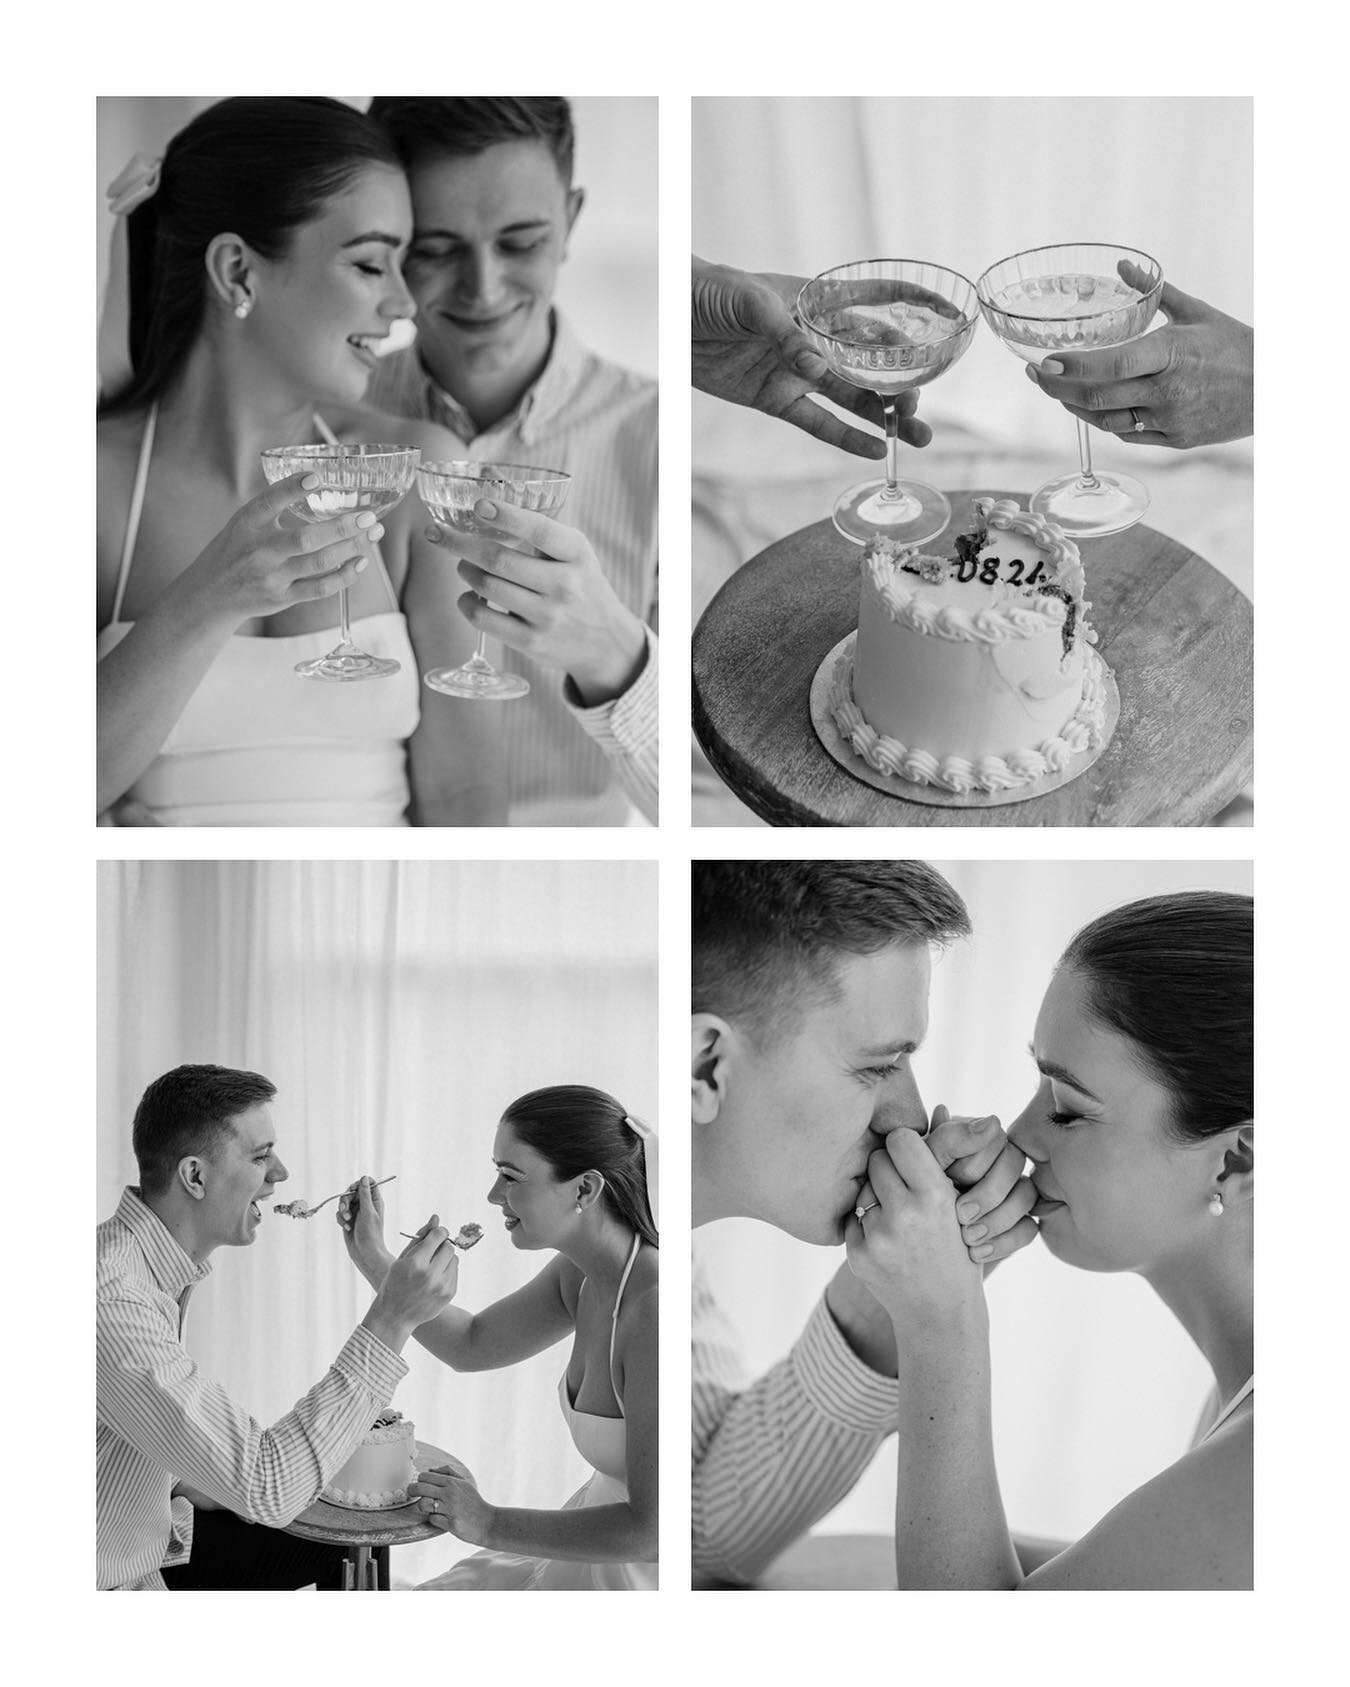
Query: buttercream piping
[1082,731]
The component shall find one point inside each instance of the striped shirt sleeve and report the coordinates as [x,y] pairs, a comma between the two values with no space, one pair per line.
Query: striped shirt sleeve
[154,1395]
[625,728]
[773,1456]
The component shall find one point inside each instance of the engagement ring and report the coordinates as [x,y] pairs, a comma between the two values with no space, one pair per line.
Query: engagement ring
[1138,422]
[860,1211]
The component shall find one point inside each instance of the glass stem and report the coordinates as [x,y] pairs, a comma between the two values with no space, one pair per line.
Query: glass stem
[344,623]
[892,409]
[1087,480]
[480,650]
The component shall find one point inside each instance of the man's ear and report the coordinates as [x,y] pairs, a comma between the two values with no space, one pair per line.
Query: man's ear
[576,198]
[191,1175]
[1237,1179]
[712,1043]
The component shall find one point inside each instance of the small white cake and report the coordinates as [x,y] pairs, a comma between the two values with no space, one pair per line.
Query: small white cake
[974,672]
[378,1472]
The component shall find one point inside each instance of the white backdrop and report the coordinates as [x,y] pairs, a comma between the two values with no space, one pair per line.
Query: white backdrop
[1096,1387]
[607,287]
[398,1007]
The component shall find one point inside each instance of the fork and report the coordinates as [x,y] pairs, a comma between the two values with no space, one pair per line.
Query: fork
[287,1209]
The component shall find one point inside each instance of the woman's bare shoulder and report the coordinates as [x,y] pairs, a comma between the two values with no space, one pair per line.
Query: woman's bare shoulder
[1189,1528]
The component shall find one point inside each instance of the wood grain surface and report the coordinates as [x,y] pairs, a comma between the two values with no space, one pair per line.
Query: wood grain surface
[1175,632]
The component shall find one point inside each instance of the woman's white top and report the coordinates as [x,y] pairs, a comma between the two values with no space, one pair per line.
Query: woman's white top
[257,745]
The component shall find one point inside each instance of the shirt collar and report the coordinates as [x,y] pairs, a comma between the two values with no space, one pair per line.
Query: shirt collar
[170,1266]
[541,403]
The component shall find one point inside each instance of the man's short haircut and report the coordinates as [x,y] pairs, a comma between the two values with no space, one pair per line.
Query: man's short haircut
[427,129]
[189,1111]
[768,934]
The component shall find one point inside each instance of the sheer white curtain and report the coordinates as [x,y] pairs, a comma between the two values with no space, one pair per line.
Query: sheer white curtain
[397,1006]
[1096,1387]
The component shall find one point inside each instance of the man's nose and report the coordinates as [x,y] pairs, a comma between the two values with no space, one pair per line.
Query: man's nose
[278,1173]
[481,275]
[901,1107]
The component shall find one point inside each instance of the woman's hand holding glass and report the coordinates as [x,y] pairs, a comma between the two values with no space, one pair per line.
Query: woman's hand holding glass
[360,1217]
[549,600]
[265,559]
[1190,383]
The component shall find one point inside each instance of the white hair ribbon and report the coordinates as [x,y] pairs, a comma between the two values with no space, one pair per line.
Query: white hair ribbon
[135,184]
[650,1161]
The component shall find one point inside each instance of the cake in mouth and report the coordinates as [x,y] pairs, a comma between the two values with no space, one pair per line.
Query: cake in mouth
[973,672]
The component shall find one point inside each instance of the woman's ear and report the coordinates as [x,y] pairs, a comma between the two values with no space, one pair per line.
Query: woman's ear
[712,1040]
[229,269]
[590,1187]
[1237,1178]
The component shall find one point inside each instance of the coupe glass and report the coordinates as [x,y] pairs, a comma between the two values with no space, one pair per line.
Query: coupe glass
[450,491]
[889,324]
[355,477]
[1074,298]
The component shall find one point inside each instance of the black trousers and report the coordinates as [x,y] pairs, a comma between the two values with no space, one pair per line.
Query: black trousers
[229,1554]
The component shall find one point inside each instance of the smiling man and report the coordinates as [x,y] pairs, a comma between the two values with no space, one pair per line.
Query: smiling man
[810,997]
[193,1492]
[494,208]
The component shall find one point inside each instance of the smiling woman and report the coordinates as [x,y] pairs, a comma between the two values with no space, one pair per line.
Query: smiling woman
[263,267]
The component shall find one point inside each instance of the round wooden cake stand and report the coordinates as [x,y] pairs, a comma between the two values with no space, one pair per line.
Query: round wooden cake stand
[1175,633]
[368,1535]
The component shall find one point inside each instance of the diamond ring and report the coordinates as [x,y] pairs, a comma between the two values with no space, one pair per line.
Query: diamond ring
[860,1211]
[1138,421]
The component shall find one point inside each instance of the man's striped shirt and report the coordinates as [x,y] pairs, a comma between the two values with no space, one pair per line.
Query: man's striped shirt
[773,1456]
[161,1422]
[568,765]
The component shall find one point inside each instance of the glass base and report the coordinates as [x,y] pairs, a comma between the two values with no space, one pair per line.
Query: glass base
[1115,502]
[918,514]
[347,663]
[480,682]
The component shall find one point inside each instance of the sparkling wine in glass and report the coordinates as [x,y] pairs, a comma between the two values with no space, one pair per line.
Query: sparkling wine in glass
[450,491]
[889,324]
[1075,298]
[354,477]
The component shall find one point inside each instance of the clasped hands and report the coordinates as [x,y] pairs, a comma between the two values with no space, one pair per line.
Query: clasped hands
[938,1211]
[538,586]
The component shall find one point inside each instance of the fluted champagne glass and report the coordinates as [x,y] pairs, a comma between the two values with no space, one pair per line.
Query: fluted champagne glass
[353,477]
[889,324]
[1076,298]
[450,491]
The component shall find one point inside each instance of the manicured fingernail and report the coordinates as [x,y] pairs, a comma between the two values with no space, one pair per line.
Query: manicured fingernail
[376,532]
[978,1230]
[1033,374]
[485,508]
[366,518]
[362,562]
[968,1210]
[982,1124]
[309,482]
[981,1253]
[432,535]
[1052,366]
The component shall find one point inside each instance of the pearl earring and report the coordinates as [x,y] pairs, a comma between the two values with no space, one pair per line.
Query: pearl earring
[242,309]
[1216,1204]
[578,1206]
